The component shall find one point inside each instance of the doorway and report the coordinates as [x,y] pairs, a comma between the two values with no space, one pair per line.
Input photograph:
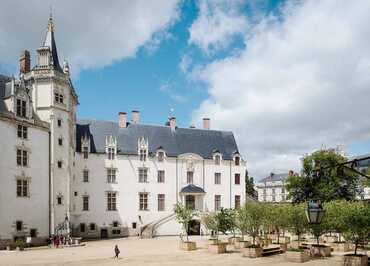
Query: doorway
[104,233]
[194,228]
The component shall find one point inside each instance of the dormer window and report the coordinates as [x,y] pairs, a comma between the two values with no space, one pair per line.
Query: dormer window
[160,156]
[111,153]
[142,155]
[142,145]
[85,151]
[21,108]
[111,147]
[237,160]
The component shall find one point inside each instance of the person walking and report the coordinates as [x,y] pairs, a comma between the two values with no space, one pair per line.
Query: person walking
[116,251]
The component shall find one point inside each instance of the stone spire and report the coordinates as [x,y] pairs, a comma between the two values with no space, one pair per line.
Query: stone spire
[50,42]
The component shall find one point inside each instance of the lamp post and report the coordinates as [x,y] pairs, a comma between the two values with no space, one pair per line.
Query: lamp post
[314,213]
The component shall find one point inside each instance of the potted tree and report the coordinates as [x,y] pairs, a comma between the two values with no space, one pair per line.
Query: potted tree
[242,226]
[20,244]
[254,220]
[357,229]
[217,222]
[209,222]
[229,224]
[297,224]
[184,215]
[320,250]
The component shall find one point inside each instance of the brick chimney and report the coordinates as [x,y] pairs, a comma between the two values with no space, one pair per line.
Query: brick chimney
[135,116]
[122,119]
[25,62]
[206,123]
[173,123]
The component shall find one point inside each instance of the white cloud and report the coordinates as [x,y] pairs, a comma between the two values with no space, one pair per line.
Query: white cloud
[217,23]
[167,87]
[302,81]
[89,33]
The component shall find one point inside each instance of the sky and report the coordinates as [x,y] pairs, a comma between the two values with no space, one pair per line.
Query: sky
[287,77]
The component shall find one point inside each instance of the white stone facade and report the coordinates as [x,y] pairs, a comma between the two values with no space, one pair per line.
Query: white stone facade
[100,192]
[272,188]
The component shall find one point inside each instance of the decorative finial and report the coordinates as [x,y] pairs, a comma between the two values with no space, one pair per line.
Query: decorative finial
[50,22]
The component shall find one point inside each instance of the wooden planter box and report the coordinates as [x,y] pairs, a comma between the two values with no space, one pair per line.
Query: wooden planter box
[320,251]
[242,244]
[213,241]
[218,248]
[188,246]
[233,240]
[252,252]
[284,247]
[297,257]
[352,260]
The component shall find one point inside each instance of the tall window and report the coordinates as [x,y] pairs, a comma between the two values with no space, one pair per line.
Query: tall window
[217,159]
[143,201]
[22,132]
[22,188]
[60,164]
[160,176]
[237,179]
[85,175]
[59,200]
[217,178]
[19,225]
[60,141]
[282,190]
[160,156]
[59,122]
[161,198]
[143,175]
[85,151]
[22,157]
[58,97]
[111,201]
[237,201]
[85,203]
[82,227]
[189,177]
[111,175]
[111,153]
[21,108]
[237,160]
[142,155]
[217,202]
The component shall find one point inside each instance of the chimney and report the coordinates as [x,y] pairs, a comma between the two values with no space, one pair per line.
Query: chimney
[25,62]
[206,123]
[135,115]
[122,119]
[173,123]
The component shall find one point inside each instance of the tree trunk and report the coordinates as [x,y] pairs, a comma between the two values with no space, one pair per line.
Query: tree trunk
[317,238]
[299,238]
[356,244]
[278,235]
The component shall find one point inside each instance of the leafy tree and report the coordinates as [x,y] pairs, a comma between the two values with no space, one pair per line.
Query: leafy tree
[255,217]
[325,185]
[357,223]
[249,185]
[226,220]
[319,229]
[334,213]
[241,220]
[210,222]
[296,219]
[184,215]
[277,215]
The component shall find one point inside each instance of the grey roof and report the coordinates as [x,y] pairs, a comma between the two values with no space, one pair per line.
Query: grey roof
[174,142]
[274,177]
[50,42]
[192,189]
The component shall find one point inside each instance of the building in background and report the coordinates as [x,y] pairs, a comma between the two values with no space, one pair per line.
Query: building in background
[272,188]
[99,179]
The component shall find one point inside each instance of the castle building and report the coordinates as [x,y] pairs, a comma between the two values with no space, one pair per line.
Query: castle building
[272,188]
[99,179]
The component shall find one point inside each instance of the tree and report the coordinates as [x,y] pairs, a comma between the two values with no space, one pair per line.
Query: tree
[357,223]
[325,185]
[241,221]
[334,213]
[249,185]
[319,229]
[254,215]
[296,219]
[184,215]
[276,217]
[226,220]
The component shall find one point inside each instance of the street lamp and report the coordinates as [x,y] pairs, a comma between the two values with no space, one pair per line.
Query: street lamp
[314,213]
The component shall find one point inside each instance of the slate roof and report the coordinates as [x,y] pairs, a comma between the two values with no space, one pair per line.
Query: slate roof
[50,42]
[3,81]
[174,142]
[192,189]
[274,177]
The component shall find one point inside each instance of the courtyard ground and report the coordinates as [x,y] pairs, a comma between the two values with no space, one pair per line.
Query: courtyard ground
[134,251]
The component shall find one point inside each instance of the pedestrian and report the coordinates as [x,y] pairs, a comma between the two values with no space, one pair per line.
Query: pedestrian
[116,251]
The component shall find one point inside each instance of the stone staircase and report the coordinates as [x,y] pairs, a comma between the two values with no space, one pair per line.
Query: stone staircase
[149,230]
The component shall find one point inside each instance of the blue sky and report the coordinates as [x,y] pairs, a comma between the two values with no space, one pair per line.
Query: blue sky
[287,77]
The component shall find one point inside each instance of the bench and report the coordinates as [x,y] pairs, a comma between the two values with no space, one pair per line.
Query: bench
[272,250]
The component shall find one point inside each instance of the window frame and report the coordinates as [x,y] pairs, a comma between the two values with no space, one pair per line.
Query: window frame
[21,108]
[189,177]
[237,179]
[111,175]
[237,203]
[161,177]
[143,174]
[143,201]
[85,175]
[217,178]
[217,202]
[22,132]
[22,157]
[161,198]
[22,187]
[85,203]
[111,201]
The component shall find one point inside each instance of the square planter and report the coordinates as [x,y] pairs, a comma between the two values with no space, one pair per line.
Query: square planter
[218,248]
[188,246]
[233,240]
[242,244]
[352,260]
[213,241]
[252,252]
[320,251]
[297,257]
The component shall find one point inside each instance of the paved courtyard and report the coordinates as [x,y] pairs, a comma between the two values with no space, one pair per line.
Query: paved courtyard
[158,251]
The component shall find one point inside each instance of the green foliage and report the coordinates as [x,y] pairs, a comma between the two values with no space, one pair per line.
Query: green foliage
[184,215]
[20,243]
[254,218]
[276,216]
[334,215]
[220,221]
[356,221]
[296,220]
[241,221]
[249,185]
[326,185]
